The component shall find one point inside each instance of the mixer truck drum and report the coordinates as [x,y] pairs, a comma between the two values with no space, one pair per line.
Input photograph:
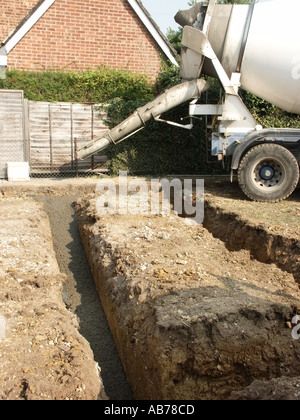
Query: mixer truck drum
[268,172]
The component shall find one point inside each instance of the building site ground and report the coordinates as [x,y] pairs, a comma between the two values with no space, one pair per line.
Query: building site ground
[194,312]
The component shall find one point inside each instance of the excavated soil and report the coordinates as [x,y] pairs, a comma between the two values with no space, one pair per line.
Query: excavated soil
[42,354]
[196,312]
[194,316]
[270,232]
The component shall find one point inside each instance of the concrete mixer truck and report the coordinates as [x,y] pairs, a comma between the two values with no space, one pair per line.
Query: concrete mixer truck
[254,46]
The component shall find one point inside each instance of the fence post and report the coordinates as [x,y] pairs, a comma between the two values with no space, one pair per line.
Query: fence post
[50,138]
[72,131]
[76,154]
[27,155]
[92,135]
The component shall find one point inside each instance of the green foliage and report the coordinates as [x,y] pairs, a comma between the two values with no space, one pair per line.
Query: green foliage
[267,114]
[168,77]
[159,148]
[165,149]
[100,85]
[175,38]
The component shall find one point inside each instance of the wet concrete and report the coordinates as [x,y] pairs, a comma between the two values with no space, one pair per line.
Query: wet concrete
[80,294]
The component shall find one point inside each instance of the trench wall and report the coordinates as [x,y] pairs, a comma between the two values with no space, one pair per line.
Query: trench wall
[191,318]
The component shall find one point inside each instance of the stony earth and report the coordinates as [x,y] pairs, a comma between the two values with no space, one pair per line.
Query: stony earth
[197,312]
[42,355]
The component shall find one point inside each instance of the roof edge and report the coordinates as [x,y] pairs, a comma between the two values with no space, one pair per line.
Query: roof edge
[43,5]
[26,24]
[154,30]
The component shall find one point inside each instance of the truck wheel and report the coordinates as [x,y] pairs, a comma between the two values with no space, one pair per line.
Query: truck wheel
[268,173]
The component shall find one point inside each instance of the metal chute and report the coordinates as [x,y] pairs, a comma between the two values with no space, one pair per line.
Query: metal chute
[170,99]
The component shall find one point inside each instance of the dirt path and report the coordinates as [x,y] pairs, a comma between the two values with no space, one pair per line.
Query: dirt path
[80,294]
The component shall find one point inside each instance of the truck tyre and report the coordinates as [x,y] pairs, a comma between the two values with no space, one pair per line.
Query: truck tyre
[268,173]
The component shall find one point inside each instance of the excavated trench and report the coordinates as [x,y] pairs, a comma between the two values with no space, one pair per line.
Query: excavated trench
[263,246]
[80,295]
[196,313]
[184,311]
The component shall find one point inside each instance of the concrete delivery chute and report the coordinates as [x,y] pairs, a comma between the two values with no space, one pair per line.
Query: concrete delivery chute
[251,46]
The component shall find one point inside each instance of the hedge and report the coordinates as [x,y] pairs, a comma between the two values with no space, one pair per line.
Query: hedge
[94,86]
[159,149]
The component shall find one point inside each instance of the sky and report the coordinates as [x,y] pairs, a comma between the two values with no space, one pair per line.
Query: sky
[163,12]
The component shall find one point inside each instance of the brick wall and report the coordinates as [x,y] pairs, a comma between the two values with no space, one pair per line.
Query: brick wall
[11,14]
[81,34]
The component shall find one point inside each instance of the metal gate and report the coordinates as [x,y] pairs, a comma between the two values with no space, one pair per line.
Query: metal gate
[13,138]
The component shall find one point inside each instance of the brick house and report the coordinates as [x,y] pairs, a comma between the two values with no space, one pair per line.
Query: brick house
[80,34]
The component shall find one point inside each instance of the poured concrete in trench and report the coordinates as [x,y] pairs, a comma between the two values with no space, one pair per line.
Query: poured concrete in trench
[81,296]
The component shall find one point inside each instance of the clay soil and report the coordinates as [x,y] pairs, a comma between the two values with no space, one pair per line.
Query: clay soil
[196,312]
